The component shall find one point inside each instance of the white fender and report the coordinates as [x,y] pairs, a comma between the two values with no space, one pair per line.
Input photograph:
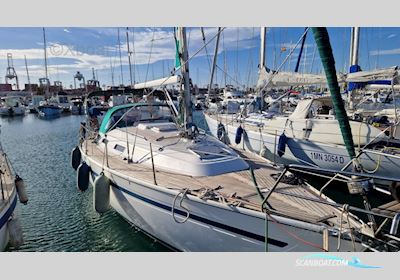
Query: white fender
[21,190]
[101,196]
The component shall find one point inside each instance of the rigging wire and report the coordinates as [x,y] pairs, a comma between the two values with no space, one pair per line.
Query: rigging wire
[367,45]
[229,76]
[151,51]
[120,57]
[237,54]
[129,56]
[250,61]
[135,72]
[205,48]
[175,69]
[284,61]
[313,58]
[274,47]
[379,49]
[344,41]
[225,60]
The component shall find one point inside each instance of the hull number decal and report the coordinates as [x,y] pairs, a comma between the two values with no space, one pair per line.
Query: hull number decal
[327,157]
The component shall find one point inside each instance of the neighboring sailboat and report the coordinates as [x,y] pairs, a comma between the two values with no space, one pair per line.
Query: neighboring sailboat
[49,108]
[311,134]
[371,94]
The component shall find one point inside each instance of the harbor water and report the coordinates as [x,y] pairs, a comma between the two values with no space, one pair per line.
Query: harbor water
[58,217]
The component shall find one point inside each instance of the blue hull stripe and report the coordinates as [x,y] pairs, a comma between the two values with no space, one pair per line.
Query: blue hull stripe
[248,234]
[8,213]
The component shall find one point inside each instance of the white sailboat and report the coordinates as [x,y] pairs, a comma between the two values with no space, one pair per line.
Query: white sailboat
[50,107]
[194,193]
[312,134]
[11,187]
[371,93]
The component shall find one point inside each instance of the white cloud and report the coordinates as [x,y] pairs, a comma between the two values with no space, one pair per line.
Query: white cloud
[151,45]
[290,46]
[385,52]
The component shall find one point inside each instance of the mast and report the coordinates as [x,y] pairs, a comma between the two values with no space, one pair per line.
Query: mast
[351,45]
[27,74]
[129,56]
[184,56]
[214,61]
[45,54]
[225,64]
[262,48]
[262,61]
[354,67]
[355,45]
[120,58]
[112,72]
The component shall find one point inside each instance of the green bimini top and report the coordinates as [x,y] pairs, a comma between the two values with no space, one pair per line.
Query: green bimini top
[110,113]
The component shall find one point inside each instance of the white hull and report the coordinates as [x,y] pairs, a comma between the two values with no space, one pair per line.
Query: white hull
[211,226]
[5,215]
[75,110]
[15,111]
[305,152]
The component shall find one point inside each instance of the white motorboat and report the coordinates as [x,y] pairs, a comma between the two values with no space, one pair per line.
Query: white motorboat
[232,94]
[11,106]
[77,107]
[63,102]
[34,104]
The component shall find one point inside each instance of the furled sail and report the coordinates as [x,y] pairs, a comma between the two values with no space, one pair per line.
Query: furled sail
[173,80]
[387,74]
[284,79]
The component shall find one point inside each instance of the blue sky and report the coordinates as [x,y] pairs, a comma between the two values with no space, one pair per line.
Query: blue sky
[79,49]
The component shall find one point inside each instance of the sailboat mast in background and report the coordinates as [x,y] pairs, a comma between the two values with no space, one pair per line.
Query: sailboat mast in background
[27,74]
[184,62]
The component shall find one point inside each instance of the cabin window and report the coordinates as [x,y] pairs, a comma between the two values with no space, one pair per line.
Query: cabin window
[139,114]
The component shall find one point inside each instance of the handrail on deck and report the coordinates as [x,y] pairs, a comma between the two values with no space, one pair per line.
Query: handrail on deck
[334,204]
[303,168]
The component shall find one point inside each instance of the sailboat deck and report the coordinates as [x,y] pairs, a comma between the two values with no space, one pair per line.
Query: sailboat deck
[237,188]
[390,208]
